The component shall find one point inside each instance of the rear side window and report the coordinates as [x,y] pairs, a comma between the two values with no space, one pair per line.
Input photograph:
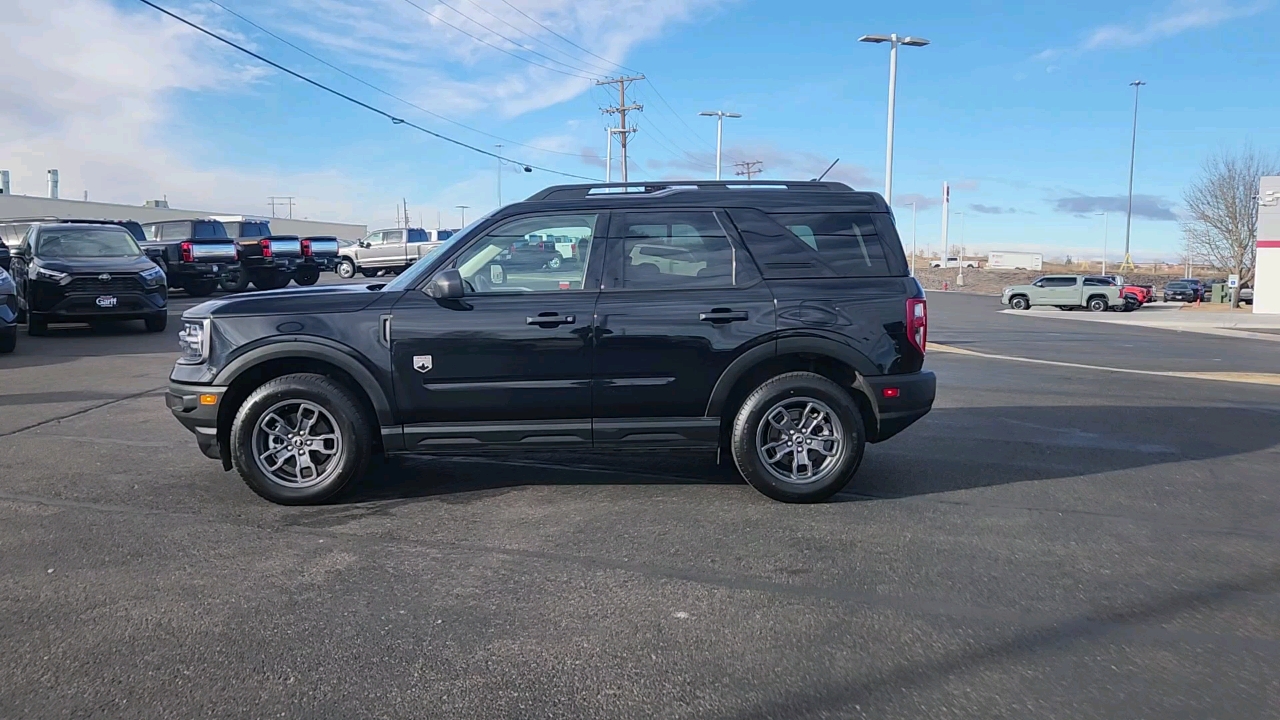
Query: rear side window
[818,244]
[1098,282]
[676,250]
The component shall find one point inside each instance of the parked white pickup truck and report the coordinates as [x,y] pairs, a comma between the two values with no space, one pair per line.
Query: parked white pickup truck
[953,262]
[393,250]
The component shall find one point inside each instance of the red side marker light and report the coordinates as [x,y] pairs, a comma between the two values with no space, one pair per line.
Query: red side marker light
[891,392]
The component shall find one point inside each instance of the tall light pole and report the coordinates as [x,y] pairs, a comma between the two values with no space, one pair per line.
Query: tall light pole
[960,272]
[1106,217]
[719,115]
[1133,153]
[462,209]
[894,41]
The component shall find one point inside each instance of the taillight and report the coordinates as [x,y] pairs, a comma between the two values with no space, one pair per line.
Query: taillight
[918,323]
[266,247]
[187,254]
[306,248]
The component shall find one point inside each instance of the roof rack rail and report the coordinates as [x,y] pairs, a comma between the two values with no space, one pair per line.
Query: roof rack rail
[569,192]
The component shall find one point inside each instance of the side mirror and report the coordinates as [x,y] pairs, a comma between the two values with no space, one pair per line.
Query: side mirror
[446,285]
[363,243]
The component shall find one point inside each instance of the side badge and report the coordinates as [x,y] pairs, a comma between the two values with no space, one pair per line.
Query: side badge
[422,363]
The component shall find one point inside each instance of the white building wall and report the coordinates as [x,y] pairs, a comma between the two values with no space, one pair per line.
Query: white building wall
[12,206]
[1266,280]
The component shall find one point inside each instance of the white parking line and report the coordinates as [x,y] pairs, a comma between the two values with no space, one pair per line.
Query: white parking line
[1236,377]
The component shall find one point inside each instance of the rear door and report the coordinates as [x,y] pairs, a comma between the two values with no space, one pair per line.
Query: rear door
[509,364]
[680,301]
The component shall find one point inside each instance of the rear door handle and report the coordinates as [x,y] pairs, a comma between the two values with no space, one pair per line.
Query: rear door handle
[722,316]
[550,320]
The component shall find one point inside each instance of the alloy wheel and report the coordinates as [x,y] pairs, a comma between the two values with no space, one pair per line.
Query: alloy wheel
[800,440]
[297,444]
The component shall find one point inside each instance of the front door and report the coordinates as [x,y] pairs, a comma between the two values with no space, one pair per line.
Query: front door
[680,301]
[509,364]
[390,252]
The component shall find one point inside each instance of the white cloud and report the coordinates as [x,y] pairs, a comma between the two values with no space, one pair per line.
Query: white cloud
[1180,17]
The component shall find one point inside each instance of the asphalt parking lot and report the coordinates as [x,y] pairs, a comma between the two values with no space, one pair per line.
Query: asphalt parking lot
[1052,542]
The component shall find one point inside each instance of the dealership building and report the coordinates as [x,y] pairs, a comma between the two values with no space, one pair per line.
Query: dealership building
[1266,276]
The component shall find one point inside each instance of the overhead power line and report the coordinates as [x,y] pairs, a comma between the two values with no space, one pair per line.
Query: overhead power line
[590,66]
[395,120]
[553,32]
[501,49]
[389,94]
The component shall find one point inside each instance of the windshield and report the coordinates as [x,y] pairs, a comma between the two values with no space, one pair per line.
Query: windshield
[208,229]
[86,242]
[415,273]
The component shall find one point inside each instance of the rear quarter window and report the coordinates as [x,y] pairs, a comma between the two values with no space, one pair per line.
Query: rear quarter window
[820,244]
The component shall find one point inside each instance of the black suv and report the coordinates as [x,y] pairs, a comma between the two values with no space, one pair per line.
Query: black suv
[775,322]
[82,272]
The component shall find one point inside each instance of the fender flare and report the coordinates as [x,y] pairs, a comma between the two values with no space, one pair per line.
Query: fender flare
[814,344]
[313,348]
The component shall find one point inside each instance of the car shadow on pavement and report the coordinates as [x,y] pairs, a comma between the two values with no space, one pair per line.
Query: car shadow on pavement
[951,449]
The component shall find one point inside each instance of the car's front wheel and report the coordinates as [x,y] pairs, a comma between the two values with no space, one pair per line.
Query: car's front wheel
[299,439]
[1019,303]
[346,269]
[37,325]
[554,263]
[157,321]
[798,438]
[307,275]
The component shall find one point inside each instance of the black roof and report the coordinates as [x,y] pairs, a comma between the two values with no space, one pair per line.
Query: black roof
[716,193]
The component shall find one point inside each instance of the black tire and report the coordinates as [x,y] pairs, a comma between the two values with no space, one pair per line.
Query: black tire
[235,281]
[370,273]
[157,321]
[307,275]
[351,426]
[37,325]
[554,263]
[345,269]
[203,287]
[1019,302]
[1098,304]
[800,387]
[8,339]
[273,281]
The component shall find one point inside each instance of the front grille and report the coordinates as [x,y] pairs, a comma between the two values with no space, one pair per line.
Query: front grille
[117,284]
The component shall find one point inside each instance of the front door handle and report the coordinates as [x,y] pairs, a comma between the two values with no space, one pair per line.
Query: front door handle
[550,320]
[720,315]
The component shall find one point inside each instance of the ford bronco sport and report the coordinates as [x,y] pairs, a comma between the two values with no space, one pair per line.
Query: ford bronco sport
[773,322]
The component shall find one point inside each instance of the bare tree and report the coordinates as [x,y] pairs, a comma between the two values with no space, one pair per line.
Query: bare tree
[1222,211]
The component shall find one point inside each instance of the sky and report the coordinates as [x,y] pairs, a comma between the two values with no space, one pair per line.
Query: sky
[1026,111]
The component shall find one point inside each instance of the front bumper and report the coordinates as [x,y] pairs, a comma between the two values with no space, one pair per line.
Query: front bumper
[55,304]
[896,411]
[196,407]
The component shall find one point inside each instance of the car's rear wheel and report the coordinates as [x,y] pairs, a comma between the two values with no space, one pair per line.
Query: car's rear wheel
[554,263]
[346,269]
[8,339]
[369,273]
[202,287]
[1098,304]
[307,275]
[235,281]
[798,438]
[299,439]
[271,281]
[37,325]
[1019,303]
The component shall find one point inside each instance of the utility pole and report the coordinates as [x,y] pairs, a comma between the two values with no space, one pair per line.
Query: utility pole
[624,133]
[894,41]
[749,168]
[719,115]
[463,210]
[946,216]
[1133,153]
[960,272]
[499,174]
[282,200]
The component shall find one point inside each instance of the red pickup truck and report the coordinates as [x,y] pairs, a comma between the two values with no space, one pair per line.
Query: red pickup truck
[1139,294]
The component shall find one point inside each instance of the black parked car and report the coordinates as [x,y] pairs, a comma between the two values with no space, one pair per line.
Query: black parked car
[8,312]
[1183,291]
[194,254]
[779,326]
[81,272]
[269,261]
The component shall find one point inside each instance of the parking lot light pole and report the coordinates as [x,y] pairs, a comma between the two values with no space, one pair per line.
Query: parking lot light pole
[1133,154]
[894,41]
[462,209]
[914,245]
[960,272]
[719,115]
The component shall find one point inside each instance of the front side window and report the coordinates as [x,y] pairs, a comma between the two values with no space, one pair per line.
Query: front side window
[498,261]
[86,242]
[675,250]
[374,239]
[1059,282]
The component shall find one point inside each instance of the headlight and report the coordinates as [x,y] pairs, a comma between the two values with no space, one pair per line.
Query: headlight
[194,342]
[39,273]
[153,276]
